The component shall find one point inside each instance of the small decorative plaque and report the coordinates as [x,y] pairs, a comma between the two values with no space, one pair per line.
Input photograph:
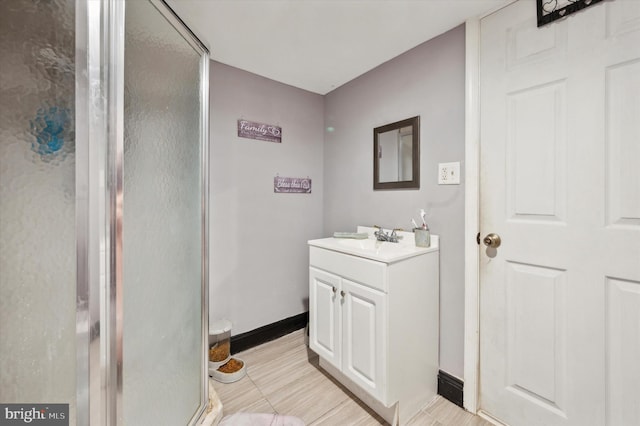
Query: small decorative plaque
[260,131]
[550,10]
[289,184]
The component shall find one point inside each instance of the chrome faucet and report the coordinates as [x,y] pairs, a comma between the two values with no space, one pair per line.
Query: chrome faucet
[384,236]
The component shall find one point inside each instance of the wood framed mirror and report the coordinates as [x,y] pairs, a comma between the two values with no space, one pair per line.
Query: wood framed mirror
[396,155]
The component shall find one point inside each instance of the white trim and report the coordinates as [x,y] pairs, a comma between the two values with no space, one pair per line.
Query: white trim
[472,212]
[472,215]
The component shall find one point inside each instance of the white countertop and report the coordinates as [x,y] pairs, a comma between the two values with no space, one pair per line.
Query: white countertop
[381,251]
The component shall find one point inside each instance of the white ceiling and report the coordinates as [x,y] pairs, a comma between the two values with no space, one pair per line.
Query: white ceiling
[318,45]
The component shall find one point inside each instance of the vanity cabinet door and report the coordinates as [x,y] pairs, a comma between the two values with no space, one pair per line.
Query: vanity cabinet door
[325,319]
[364,314]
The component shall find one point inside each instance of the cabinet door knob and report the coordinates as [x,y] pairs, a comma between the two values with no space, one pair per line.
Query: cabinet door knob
[334,290]
[342,293]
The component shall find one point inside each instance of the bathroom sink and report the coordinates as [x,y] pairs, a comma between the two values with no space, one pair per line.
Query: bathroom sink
[370,248]
[368,244]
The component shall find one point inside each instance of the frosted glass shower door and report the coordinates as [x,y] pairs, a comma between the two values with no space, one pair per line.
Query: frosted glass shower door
[162,223]
[37,203]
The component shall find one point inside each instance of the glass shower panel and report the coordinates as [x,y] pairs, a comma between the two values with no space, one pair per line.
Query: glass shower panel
[37,203]
[162,212]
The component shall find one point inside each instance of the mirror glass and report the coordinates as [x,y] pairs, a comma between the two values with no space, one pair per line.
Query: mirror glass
[396,155]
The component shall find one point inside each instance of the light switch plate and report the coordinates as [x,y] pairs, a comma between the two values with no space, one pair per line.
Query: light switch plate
[449,173]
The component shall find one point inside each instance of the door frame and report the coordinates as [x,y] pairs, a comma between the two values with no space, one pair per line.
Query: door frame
[472,216]
[472,212]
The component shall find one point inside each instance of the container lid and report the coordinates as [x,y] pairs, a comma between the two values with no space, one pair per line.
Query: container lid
[220,326]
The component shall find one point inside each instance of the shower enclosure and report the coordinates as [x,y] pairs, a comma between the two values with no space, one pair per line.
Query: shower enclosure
[103,211]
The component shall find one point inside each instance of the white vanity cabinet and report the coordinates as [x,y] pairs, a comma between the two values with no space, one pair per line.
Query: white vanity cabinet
[374,325]
[348,328]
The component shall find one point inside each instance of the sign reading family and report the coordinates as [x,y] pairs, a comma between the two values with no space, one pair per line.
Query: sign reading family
[288,184]
[259,131]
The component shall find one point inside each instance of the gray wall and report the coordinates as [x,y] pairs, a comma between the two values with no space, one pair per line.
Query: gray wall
[427,81]
[259,257]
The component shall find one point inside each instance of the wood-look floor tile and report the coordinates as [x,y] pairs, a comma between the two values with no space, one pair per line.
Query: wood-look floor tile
[273,349]
[423,418]
[237,396]
[260,406]
[283,377]
[477,421]
[450,414]
[351,412]
[282,371]
[309,397]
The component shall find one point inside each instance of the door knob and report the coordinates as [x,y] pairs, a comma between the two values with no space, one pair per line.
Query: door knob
[342,293]
[492,240]
[334,290]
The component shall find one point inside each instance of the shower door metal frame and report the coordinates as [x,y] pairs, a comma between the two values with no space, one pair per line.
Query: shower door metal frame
[92,135]
[100,29]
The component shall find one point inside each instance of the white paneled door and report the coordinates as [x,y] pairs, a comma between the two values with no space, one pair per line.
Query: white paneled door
[560,184]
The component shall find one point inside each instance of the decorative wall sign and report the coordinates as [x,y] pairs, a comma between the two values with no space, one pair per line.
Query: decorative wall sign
[289,184]
[550,10]
[260,131]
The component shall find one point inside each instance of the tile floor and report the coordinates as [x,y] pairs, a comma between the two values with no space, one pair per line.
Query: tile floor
[283,377]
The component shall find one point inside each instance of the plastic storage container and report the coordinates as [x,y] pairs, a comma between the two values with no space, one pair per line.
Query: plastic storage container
[222,367]
[219,344]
